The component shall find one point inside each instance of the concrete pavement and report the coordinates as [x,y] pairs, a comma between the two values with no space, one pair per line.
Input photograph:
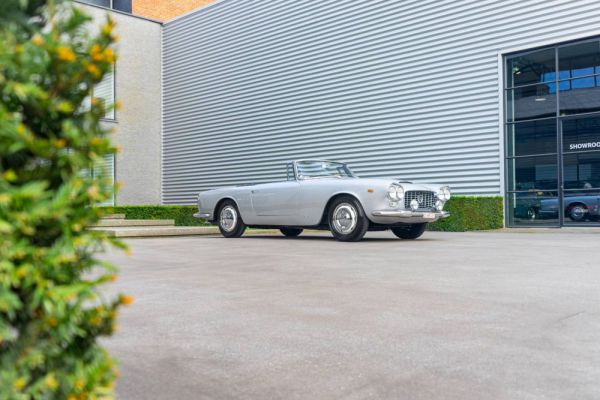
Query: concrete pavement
[491,315]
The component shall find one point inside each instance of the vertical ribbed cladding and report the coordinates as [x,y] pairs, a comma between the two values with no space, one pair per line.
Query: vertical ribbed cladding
[395,88]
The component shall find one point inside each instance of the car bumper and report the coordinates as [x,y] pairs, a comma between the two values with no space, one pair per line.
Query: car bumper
[407,216]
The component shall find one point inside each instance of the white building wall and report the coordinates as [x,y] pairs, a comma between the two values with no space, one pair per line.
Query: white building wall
[138,123]
[402,88]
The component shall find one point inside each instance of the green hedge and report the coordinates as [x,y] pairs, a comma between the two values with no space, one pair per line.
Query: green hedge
[466,214]
[183,215]
[470,213]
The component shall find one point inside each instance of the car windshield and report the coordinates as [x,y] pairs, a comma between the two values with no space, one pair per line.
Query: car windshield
[322,169]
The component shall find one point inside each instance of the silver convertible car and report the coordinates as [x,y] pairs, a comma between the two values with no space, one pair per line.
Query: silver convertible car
[325,195]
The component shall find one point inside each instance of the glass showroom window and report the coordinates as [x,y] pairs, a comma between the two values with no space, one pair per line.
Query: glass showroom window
[553,135]
[532,147]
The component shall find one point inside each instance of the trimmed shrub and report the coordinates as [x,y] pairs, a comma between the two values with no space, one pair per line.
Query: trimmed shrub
[470,213]
[51,309]
[467,214]
[183,215]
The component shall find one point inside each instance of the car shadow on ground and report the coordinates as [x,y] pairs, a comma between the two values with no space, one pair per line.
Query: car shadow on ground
[328,238]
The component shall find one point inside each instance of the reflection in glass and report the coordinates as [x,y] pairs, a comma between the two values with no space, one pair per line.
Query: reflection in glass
[531,68]
[539,208]
[122,5]
[582,206]
[534,137]
[531,102]
[102,3]
[581,134]
[579,96]
[532,173]
[581,170]
[579,60]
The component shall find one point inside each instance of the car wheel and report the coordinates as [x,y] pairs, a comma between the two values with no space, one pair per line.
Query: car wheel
[230,220]
[409,231]
[291,232]
[532,214]
[347,219]
[577,212]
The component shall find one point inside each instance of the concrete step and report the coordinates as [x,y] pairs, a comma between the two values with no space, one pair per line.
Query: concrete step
[154,231]
[134,222]
[113,216]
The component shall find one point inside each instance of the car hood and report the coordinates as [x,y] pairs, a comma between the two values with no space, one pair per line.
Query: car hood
[408,185]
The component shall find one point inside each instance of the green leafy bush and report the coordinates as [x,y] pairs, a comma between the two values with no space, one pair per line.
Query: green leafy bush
[470,213]
[467,214]
[51,310]
[183,215]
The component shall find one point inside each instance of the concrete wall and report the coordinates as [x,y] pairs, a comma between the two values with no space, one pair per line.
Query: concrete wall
[138,122]
[402,88]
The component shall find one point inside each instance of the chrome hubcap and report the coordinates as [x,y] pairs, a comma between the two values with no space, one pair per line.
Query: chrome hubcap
[228,218]
[344,218]
[577,212]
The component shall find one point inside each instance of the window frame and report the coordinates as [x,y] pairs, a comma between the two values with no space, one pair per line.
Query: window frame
[508,158]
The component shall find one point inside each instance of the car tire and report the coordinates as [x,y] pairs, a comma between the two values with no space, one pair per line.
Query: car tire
[409,231]
[532,214]
[230,220]
[291,232]
[577,212]
[347,219]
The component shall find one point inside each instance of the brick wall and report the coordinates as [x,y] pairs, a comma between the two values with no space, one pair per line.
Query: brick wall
[164,10]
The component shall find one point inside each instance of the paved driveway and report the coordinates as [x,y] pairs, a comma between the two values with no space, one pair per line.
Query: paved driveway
[450,316]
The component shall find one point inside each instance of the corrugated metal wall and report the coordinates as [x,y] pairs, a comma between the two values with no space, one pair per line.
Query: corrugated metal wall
[402,88]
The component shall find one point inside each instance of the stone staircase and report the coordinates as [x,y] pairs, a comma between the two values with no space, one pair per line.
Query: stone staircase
[116,225]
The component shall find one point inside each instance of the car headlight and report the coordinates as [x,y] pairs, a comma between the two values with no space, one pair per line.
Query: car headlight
[395,193]
[400,191]
[392,194]
[444,193]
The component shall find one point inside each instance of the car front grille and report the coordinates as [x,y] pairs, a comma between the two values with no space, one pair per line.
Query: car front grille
[425,199]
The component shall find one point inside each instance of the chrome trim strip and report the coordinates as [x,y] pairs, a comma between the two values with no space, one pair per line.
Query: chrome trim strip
[201,215]
[408,214]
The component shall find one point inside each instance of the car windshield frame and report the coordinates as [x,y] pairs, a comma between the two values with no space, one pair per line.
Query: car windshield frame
[326,173]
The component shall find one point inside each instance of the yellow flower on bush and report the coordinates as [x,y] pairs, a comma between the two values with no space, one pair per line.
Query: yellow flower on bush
[96,53]
[65,54]
[93,191]
[127,300]
[37,39]
[20,383]
[10,175]
[51,382]
[93,70]
[108,27]
[109,55]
